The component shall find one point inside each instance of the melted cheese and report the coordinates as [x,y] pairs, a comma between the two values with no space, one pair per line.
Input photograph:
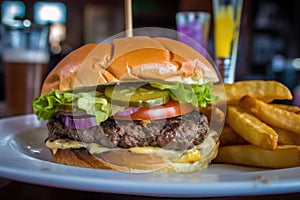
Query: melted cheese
[189,156]
[63,144]
[72,144]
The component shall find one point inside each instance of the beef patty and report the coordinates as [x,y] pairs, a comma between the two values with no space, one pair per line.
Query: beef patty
[178,133]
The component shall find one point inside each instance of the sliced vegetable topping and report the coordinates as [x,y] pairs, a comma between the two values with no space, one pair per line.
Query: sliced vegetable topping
[79,123]
[130,96]
[153,95]
[94,103]
[170,109]
[198,95]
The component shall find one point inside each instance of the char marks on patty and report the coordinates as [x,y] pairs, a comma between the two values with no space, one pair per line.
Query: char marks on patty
[177,133]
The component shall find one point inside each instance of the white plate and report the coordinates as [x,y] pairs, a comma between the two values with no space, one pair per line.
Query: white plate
[23,157]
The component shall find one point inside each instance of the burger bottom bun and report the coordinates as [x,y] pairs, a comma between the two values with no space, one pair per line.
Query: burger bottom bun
[130,162]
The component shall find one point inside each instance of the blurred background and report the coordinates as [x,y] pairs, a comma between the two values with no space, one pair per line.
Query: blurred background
[269,45]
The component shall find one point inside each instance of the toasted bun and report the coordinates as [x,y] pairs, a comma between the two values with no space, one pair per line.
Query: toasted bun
[130,59]
[130,162]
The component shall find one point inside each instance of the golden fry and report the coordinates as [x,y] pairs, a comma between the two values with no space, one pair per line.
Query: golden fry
[230,137]
[251,128]
[271,115]
[290,108]
[249,155]
[273,130]
[266,91]
[287,137]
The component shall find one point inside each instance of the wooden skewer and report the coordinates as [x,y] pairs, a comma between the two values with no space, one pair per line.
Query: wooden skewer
[128,18]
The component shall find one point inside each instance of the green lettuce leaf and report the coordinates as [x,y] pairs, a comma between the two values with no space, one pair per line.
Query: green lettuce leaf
[198,95]
[94,103]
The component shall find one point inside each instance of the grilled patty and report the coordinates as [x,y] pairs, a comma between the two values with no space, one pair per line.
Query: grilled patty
[177,133]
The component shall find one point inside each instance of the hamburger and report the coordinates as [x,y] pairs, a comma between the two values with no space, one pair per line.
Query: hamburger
[130,105]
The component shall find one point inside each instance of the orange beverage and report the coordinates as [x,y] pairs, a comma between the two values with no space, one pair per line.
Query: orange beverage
[224,31]
[227,16]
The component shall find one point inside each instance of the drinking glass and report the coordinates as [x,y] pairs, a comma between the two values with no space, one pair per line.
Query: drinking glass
[25,55]
[227,17]
[193,28]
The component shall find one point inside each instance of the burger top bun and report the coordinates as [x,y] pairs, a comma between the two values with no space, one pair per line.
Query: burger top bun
[130,59]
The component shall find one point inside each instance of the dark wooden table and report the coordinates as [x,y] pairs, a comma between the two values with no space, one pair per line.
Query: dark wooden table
[17,190]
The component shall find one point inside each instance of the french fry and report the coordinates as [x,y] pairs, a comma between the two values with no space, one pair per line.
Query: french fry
[259,133]
[287,137]
[230,137]
[271,115]
[250,155]
[266,91]
[251,128]
[290,108]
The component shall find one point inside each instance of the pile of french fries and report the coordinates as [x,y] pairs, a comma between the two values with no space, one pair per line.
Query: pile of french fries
[257,132]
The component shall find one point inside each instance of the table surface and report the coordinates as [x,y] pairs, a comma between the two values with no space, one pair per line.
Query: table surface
[18,190]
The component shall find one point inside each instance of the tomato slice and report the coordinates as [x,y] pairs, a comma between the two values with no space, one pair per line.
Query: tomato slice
[170,109]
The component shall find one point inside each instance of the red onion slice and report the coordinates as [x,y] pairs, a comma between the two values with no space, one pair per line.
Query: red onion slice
[127,111]
[79,123]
